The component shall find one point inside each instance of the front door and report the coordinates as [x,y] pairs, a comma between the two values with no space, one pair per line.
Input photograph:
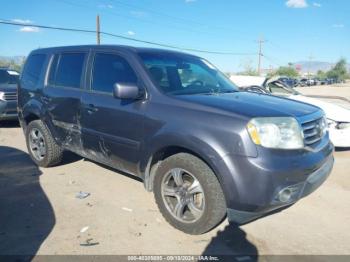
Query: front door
[112,129]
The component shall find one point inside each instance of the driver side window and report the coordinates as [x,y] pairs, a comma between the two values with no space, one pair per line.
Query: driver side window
[110,69]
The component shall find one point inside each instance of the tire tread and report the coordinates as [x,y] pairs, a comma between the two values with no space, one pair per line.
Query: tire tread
[214,195]
[54,152]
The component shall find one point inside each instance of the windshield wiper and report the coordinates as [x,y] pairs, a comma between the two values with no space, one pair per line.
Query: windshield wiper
[227,91]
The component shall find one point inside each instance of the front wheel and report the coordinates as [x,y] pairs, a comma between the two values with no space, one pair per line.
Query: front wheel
[188,194]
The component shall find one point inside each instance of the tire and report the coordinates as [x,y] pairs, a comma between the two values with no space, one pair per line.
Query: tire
[213,211]
[53,152]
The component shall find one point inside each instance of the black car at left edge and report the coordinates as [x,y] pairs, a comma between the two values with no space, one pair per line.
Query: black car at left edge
[8,94]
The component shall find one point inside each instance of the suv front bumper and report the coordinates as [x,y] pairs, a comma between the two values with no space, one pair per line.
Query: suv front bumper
[286,196]
[8,110]
[275,179]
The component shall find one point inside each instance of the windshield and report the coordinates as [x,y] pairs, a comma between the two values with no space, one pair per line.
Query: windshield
[183,75]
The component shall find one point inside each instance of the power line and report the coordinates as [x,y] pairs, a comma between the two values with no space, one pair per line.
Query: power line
[111,12]
[7,22]
[159,13]
[177,18]
[271,60]
[176,26]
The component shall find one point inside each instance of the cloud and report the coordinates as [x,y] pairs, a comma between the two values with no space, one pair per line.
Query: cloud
[22,21]
[338,25]
[296,3]
[316,4]
[131,33]
[29,29]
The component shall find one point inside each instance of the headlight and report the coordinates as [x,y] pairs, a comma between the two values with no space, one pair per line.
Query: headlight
[2,96]
[276,132]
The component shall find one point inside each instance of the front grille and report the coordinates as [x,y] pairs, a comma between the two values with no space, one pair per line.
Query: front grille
[10,96]
[313,131]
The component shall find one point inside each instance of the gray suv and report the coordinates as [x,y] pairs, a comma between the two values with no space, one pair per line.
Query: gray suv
[206,149]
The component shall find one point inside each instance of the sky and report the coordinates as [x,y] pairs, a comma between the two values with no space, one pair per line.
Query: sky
[292,30]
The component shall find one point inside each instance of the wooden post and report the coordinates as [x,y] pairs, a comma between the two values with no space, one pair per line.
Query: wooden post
[260,41]
[98,32]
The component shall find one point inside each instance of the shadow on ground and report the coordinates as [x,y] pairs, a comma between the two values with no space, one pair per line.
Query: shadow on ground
[230,244]
[9,124]
[26,215]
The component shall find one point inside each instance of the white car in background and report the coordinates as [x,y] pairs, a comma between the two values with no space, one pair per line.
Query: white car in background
[338,117]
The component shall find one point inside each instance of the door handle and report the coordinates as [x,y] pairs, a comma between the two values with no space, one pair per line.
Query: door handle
[91,108]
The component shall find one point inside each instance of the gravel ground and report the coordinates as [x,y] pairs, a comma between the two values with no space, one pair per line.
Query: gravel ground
[41,215]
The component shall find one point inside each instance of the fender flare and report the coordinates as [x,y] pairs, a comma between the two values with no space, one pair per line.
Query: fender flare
[200,148]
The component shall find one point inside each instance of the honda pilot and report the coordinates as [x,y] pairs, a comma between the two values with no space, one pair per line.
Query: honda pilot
[206,149]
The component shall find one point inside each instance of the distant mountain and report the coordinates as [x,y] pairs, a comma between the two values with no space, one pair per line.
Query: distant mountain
[314,66]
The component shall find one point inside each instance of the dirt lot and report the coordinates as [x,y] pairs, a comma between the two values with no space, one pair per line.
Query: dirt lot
[41,215]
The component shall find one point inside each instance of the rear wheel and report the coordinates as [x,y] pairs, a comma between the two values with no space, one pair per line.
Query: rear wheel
[42,148]
[188,194]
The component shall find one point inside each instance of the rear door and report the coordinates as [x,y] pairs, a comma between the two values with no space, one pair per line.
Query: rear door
[112,128]
[62,96]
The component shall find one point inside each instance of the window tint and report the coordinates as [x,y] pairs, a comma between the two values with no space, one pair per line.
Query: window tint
[110,69]
[32,70]
[69,70]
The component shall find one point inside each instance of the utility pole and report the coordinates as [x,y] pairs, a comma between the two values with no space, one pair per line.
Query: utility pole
[261,41]
[310,60]
[98,32]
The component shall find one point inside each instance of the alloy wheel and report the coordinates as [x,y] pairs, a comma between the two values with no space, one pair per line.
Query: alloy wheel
[183,195]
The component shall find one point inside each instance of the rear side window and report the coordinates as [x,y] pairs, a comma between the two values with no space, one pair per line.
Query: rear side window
[110,69]
[66,70]
[32,70]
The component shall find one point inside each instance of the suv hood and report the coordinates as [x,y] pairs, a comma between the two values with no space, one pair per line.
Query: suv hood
[8,87]
[251,104]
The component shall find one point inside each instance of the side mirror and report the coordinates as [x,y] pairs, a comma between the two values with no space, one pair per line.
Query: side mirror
[126,91]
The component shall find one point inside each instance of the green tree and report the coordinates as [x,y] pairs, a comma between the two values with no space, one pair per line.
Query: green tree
[339,71]
[321,74]
[285,71]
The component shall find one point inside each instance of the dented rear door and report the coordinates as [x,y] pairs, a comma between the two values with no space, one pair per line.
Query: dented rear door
[62,96]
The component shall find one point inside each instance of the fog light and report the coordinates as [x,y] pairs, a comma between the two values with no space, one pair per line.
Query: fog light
[285,195]
[289,194]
